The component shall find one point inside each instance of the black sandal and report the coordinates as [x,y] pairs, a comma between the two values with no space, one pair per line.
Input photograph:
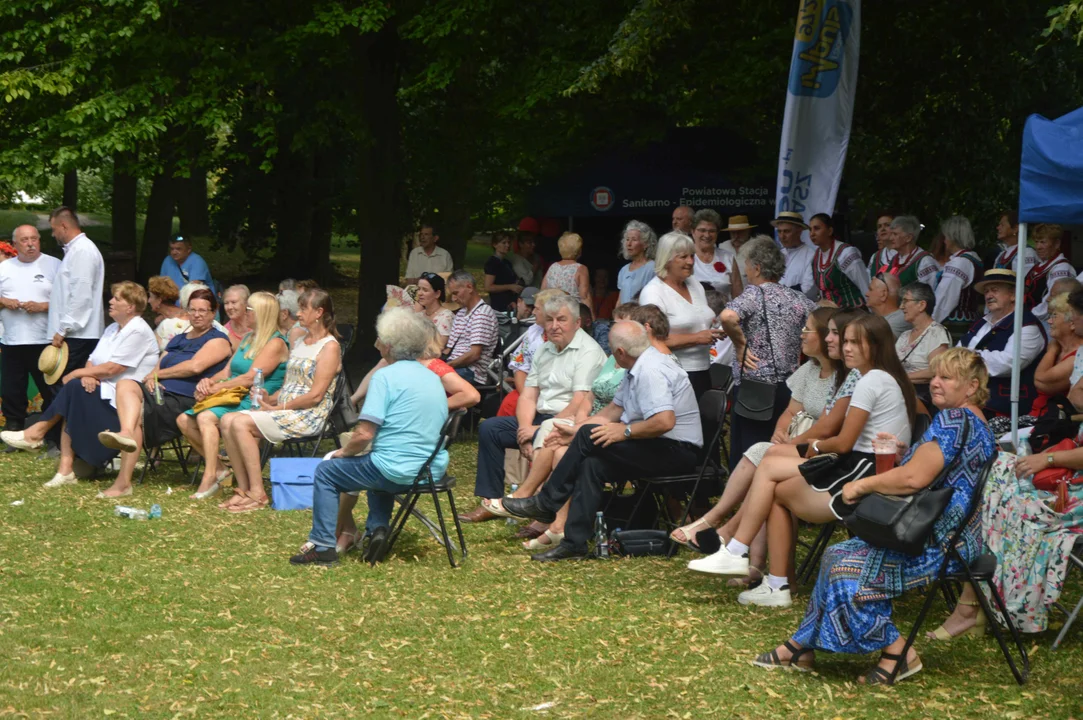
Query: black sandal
[771,660]
[880,676]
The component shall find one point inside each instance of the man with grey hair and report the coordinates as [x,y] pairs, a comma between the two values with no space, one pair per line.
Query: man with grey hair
[911,263]
[25,283]
[474,333]
[682,220]
[652,427]
[883,299]
[557,386]
[404,412]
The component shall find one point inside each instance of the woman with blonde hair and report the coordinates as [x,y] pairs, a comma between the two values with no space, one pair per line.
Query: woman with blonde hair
[568,274]
[263,349]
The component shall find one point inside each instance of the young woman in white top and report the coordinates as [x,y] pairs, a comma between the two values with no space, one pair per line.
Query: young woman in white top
[714,265]
[883,402]
[684,302]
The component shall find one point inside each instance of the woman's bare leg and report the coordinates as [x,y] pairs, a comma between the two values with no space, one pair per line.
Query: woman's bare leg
[245,452]
[129,407]
[240,473]
[207,426]
[540,468]
[128,460]
[36,432]
[346,522]
[965,615]
[761,496]
[67,454]
[797,496]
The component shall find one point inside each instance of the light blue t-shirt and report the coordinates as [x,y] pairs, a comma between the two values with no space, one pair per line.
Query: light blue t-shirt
[631,281]
[193,268]
[407,402]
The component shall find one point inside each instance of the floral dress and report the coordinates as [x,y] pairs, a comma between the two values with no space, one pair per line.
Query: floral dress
[1031,542]
[279,425]
[562,277]
[849,609]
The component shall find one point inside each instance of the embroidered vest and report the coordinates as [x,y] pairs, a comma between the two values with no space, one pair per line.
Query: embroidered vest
[967,309]
[1036,282]
[1000,388]
[908,273]
[834,284]
[1006,259]
[878,265]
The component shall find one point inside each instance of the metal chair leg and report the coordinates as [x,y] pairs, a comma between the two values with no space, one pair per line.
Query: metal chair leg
[994,626]
[1075,612]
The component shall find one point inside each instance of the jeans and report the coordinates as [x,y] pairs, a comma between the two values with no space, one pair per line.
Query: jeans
[586,467]
[346,475]
[494,437]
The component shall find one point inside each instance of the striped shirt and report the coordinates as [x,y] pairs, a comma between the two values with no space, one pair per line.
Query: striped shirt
[477,326]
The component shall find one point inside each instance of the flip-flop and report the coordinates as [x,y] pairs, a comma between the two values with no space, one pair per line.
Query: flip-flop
[496,507]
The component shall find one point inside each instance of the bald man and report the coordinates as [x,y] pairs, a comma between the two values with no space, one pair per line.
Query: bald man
[883,299]
[682,220]
[25,284]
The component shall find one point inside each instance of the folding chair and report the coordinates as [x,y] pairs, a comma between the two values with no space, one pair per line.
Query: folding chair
[348,333]
[722,379]
[309,445]
[712,408]
[157,455]
[424,485]
[1074,558]
[807,571]
[978,573]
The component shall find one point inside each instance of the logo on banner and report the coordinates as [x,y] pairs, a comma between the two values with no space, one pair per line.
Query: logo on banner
[823,27]
[601,198]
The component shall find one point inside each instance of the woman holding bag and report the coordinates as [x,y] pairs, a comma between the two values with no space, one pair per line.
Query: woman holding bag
[764,324]
[858,581]
[263,349]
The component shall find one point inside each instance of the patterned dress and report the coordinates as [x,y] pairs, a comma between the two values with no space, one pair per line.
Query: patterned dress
[239,365]
[849,609]
[1031,542]
[562,277]
[279,425]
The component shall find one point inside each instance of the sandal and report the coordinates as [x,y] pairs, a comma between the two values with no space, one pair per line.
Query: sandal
[981,623]
[237,498]
[689,531]
[880,676]
[496,507]
[252,505]
[343,547]
[771,660]
[552,540]
[531,531]
[754,578]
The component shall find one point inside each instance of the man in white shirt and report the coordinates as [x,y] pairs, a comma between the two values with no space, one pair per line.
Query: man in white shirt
[740,231]
[427,256]
[25,284]
[76,301]
[993,337]
[798,254]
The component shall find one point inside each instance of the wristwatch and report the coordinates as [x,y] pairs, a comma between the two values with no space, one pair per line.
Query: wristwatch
[627,432]
[1049,459]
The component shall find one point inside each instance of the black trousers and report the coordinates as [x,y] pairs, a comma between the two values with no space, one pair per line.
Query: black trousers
[79,350]
[586,466]
[18,363]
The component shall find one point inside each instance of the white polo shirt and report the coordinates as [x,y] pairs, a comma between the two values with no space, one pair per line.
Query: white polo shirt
[27,282]
[559,374]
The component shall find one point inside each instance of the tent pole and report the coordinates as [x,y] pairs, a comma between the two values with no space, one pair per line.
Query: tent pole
[1017,332]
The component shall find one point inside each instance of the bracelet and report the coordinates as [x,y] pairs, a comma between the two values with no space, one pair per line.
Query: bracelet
[816,446]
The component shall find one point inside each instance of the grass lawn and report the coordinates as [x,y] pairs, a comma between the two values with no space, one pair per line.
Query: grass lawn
[199,614]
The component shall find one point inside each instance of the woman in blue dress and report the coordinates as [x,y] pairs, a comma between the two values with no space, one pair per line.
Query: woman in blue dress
[264,349]
[849,609]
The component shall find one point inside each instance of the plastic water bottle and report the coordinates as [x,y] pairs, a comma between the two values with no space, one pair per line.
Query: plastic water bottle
[256,393]
[158,391]
[1024,451]
[601,537]
[138,513]
[512,521]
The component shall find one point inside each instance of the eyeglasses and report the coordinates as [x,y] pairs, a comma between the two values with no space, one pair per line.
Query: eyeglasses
[807,330]
[429,276]
[200,311]
[908,300]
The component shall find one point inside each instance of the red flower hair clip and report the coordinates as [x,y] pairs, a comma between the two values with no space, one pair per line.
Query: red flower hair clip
[720,267]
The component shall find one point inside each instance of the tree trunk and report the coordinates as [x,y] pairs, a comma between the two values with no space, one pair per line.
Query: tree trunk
[384,205]
[293,213]
[124,202]
[158,228]
[71,189]
[322,216]
[192,207]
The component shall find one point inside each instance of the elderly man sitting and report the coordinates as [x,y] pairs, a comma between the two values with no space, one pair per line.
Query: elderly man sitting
[883,299]
[992,337]
[559,381]
[405,409]
[474,333]
[652,427]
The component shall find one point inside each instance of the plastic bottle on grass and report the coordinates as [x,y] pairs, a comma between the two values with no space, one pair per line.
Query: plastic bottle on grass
[138,513]
[601,537]
[512,521]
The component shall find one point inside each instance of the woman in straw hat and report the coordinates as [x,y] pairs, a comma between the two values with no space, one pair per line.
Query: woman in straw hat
[128,349]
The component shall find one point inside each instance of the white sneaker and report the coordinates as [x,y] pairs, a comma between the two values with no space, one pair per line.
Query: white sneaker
[61,480]
[722,562]
[17,440]
[766,596]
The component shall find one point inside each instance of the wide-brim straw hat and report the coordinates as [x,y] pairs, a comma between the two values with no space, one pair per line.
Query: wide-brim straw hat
[52,362]
[996,276]
[738,222]
[792,218]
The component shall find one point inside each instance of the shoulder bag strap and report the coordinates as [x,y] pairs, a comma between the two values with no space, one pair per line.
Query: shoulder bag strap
[770,343]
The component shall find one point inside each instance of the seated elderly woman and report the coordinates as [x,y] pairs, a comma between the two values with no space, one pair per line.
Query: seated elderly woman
[460,395]
[177,322]
[925,340]
[299,409]
[148,409]
[264,349]
[849,610]
[126,350]
[288,324]
[402,417]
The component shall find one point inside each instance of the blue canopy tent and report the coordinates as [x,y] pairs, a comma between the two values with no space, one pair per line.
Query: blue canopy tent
[1050,190]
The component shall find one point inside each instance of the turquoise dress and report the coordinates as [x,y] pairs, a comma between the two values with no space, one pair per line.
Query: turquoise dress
[239,365]
[605,384]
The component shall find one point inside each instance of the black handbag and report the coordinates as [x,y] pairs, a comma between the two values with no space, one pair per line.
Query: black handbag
[818,470]
[639,543]
[904,522]
[756,398]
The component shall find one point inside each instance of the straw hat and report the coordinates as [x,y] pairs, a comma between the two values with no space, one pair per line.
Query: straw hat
[738,222]
[996,276]
[52,362]
[792,218]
